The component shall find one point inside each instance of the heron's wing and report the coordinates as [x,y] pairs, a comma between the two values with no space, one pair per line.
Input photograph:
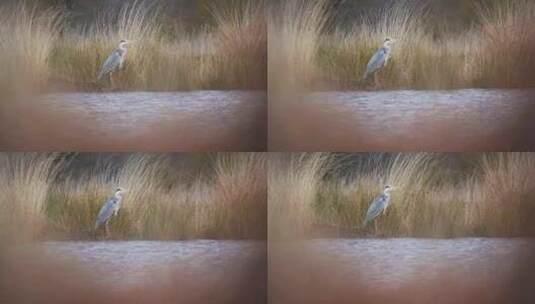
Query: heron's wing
[376,62]
[376,207]
[105,212]
[110,64]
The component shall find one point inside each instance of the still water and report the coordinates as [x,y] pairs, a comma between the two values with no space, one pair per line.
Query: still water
[196,271]
[120,264]
[457,120]
[403,270]
[389,264]
[141,121]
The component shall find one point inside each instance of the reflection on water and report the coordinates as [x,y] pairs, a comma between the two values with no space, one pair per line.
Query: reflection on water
[460,120]
[141,121]
[383,264]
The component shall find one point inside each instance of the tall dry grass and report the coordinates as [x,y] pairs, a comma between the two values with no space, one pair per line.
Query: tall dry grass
[27,38]
[344,54]
[241,38]
[25,180]
[225,200]
[165,56]
[494,197]
[293,30]
[507,43]
[494,52]
[293,183]
[504,196]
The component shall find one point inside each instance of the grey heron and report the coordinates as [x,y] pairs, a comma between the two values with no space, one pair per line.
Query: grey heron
[378,206]
[109,210]
[114,62]
[379,59]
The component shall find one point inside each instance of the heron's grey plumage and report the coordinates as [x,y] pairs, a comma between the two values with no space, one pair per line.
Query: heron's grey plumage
[114,61]
[378,205]
[110,208]
[378,60]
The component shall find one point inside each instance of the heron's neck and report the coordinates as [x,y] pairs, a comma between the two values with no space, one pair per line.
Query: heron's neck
[118,196]
[122,49]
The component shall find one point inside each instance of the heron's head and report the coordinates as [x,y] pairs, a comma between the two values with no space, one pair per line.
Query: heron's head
[123,43]
[120,191]
[388,42]
[388,188]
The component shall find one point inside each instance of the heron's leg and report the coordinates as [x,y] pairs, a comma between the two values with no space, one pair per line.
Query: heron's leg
[108,234]
[111,81]
[375,227]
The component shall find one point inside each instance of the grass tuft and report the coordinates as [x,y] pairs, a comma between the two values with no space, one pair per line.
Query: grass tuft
[27,37]
[25,180]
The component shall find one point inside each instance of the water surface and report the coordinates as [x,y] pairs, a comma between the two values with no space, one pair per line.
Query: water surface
[389,264]
[404,270]
[140,121]
[134,262]
[457,120]
[196,271]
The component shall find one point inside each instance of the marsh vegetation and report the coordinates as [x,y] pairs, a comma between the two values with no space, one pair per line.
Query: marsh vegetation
[220,196]
[42,48]
[311,48]
[438,195]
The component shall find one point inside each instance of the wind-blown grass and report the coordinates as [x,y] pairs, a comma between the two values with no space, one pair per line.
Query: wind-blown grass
[507,44]
[241,33]
[225,200]
[293,184]
[25,180]
[27,37]
[229,55]
[294,28]
[493,197]
[493,52]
